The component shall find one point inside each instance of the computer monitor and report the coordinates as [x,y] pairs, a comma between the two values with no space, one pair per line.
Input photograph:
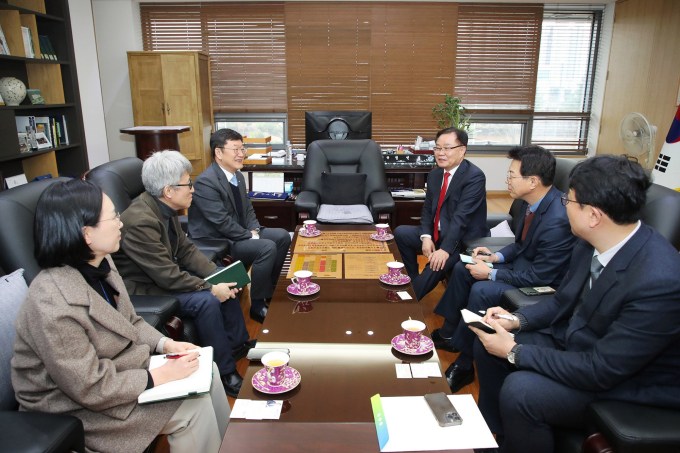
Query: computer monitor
[336,125]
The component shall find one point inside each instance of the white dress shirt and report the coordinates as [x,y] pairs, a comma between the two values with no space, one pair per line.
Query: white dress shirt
[448,183]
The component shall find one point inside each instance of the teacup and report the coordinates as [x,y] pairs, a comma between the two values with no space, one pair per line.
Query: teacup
[302,280]
[382,229]
[413,332]
[310,227]
[275,364]
[394,271]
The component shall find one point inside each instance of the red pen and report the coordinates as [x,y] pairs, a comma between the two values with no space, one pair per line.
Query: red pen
[175,355]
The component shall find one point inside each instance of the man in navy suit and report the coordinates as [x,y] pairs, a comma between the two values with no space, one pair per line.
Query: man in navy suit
[612,330]
[538,257]
[454,209]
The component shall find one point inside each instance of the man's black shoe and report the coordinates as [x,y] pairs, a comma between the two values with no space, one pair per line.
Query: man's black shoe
[459,378]
[240,352]
[441,342]
[258,314]
[232,383]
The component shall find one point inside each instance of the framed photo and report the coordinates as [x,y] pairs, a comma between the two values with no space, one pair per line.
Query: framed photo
[35,96]
[24,145]
[43,141]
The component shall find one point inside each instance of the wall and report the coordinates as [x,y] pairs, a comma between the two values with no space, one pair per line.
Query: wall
[88,81]
[114,39]
[644,69]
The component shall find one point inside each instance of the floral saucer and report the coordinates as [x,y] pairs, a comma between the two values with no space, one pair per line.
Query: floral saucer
[426,345]
[377,237]
[403,279]
[290,381]
[312,288]
[304,234]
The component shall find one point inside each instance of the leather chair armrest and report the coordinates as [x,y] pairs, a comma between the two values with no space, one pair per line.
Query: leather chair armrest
[219,246]
[380,202]
[633,428]
[41,432]
[513,299]
[308,201]
[496,218]
[165,307]
[493,244]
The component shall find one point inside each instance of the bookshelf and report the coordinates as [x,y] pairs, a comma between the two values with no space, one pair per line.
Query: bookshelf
[57,81]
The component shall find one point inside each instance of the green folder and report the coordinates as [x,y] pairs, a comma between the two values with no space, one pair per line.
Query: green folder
[236,272]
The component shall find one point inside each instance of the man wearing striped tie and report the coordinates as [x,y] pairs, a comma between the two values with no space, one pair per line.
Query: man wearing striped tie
[454,209]
[538,257]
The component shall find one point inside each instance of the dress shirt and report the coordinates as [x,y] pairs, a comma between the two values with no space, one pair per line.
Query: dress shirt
[451,172]
[230,176]
[501,258]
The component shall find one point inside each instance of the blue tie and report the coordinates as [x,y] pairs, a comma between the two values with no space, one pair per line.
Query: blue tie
[234,181]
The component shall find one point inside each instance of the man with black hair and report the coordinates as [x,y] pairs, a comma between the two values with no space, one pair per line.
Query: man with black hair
[538,257]
[454,209]
[611,331]
[221,209]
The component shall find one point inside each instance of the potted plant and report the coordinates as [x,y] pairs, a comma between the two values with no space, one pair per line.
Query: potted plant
[451,113]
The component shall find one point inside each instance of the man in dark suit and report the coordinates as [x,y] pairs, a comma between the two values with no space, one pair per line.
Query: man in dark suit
[538,257]
[221,209]
[612,330]
[454,209]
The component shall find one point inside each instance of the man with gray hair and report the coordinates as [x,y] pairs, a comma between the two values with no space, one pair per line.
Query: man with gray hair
[156,258]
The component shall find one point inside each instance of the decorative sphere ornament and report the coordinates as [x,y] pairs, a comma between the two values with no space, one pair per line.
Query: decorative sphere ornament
[13,90]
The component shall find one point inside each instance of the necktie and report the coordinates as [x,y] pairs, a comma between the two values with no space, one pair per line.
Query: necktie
[527,222]
[234,181]
[595,271]
[442,194]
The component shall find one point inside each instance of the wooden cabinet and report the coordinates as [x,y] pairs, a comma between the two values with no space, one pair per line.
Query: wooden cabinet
[57,82]
[174,89]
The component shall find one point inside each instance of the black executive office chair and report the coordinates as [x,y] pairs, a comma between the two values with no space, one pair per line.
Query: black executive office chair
[345,156]
[17,206]
[623,427]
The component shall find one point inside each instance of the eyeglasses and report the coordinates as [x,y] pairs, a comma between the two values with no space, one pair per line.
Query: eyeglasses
[446,149]
[508,176]
[117,217]
[566,200]
[241,150]
[190,184]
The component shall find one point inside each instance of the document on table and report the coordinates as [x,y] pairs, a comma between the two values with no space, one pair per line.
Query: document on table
[411,426]
[257,410]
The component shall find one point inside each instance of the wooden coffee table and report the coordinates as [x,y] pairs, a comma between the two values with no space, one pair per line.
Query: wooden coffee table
[340,342]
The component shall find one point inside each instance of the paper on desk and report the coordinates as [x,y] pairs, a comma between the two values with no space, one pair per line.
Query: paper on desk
[433,369]
[257,410]
[404,295]
[403,371]
[412,427]
[419,370]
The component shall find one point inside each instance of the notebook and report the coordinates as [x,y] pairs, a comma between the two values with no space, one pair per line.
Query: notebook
[197,383]
[236,272]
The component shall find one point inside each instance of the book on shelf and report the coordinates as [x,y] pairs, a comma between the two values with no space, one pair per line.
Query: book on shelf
[4,48]
[28,42]
[35,96]
[54,127]
[46,50]
[43,141]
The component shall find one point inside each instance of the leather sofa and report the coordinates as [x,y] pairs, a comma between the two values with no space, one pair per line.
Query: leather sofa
[345,156]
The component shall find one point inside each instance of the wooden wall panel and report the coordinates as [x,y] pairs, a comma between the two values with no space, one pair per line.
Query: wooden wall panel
[644,68]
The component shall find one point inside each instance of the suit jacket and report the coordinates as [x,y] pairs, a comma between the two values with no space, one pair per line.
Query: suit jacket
[148,262]
[543,257]
[624,342]
[463,213]
[213,211]
[75,354]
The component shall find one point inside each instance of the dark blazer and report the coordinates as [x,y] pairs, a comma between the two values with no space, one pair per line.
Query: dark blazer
[543,258]
[148,262]
[624,342]
[213,211]
[463,213]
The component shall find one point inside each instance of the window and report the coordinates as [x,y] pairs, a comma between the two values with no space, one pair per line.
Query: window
[256,125]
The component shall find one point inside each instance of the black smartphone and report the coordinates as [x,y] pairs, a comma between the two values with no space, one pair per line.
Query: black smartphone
[529,291]
[443,410]
[482,326]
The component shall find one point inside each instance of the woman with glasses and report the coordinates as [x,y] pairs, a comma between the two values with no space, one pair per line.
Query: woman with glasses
[80,348]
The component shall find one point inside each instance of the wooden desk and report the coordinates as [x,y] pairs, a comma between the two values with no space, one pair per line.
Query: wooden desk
[330,410]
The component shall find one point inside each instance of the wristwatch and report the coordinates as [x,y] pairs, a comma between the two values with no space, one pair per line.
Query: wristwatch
[511,354]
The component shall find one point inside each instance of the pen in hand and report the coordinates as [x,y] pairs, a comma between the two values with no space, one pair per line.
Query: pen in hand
[175,355]
[508,317]
[483,253]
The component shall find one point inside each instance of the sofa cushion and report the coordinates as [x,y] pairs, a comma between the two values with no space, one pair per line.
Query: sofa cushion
[13,290]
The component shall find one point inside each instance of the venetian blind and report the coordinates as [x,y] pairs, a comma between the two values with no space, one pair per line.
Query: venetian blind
[413,49]
[497,56]
[245,41]
[328,49]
